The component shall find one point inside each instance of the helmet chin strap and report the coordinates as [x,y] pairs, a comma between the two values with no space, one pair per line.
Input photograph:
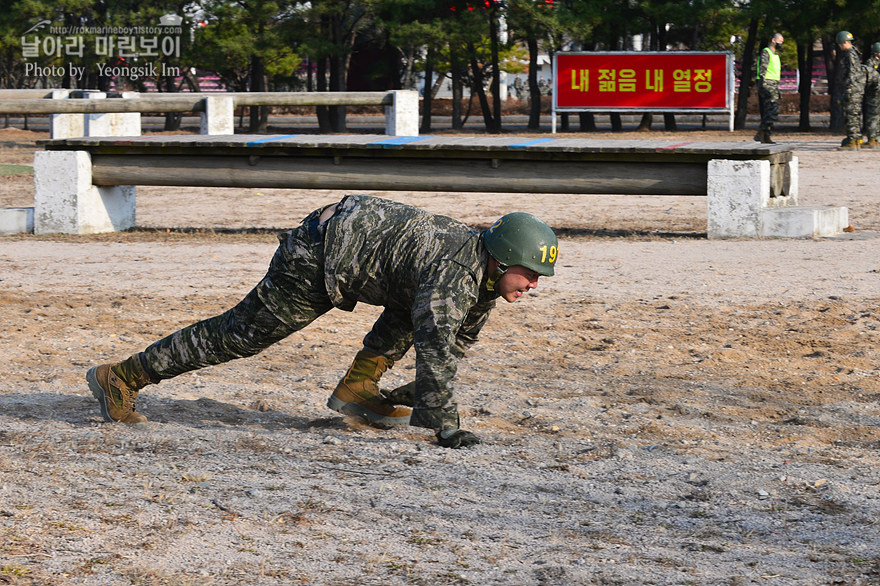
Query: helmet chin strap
[499,271]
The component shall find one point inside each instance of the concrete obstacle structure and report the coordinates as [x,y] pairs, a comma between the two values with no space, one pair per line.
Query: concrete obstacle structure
[742,203]
[751,188]
[65,200]
[16,220]
[218,117]
[62,203]
[216,109]
[93,124]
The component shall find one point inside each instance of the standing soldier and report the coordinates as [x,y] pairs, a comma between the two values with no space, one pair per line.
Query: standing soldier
[436,278]
[872,99]
[518,86]
[849,79]
[769,70]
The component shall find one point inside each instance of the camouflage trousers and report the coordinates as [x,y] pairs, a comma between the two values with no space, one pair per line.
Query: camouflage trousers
[251,326]
[768,97]
[872,108]
[852,111]
[289,297]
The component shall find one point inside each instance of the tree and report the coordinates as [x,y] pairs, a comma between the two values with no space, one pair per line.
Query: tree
[245,42]
[327,30]
[417,30]
[536,23]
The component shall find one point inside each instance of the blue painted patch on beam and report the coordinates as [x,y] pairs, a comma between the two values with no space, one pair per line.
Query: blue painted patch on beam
[270,139]
[520,145]
[399,140]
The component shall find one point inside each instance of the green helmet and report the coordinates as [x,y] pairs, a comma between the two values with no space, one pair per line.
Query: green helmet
[525,240]
[875,48]
[844,36]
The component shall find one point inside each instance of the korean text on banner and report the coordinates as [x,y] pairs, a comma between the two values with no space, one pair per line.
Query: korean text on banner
[641,81]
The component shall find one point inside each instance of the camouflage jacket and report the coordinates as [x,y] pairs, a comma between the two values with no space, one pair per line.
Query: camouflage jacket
[872,64]
[427,269]
[850,73]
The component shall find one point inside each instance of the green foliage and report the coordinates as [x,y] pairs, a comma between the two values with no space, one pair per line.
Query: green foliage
[235,34]
[271,39]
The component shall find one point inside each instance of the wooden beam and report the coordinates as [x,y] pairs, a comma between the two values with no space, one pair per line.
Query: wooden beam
[313,98]
[24,94]
[188,102]
[402,174]
[114,105]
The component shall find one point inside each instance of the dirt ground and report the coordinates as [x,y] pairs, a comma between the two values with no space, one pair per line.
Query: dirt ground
[666,410]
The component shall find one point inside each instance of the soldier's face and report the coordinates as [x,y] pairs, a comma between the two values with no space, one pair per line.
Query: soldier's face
[515,282]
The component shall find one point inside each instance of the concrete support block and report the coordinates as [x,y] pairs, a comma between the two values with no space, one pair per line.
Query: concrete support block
[737,193]
[16,220]
[740,204]
[793,181]
[219,115]
[402,118]
[66,202]
[804,221]
[106,124]
[65,125]
[111,123]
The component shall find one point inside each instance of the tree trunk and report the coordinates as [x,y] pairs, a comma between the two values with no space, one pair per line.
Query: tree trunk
[805,85]
[587,122]
[496,73]
[321,82]
[745,76]
[457,90]
[259,114]
[534,90]
[829,52]
[172,119]
[481,93]
[337,78]
[427,93]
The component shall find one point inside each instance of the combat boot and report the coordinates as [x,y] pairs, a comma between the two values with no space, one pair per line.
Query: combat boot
[871,144]
[358,392]
[766,138]
[759,136]
[849,145]
[116,387]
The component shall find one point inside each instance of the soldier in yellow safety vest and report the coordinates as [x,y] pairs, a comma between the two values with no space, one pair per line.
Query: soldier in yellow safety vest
[769,70]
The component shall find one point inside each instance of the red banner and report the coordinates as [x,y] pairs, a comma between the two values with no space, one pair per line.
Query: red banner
[641,81]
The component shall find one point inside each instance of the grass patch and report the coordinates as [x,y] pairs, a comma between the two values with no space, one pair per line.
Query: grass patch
[16,170]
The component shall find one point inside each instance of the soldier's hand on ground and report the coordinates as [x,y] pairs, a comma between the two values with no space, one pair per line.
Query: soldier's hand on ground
[402,395]
[457,438]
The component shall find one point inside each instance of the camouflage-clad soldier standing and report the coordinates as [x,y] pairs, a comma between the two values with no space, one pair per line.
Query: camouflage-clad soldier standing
[872,99]
[769,74]
[436,278]
[850,79]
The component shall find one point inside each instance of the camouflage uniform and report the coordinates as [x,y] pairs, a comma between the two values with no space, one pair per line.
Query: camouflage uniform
[872,98]
[768,94]
[428,271]
[850,79]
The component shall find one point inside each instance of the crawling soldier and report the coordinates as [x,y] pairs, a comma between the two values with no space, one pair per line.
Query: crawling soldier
[436,279]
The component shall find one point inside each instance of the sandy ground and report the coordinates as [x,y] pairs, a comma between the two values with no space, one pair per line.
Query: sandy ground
[667,410]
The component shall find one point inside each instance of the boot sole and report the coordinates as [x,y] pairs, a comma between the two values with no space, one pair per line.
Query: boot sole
[357,410]
[98,393]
